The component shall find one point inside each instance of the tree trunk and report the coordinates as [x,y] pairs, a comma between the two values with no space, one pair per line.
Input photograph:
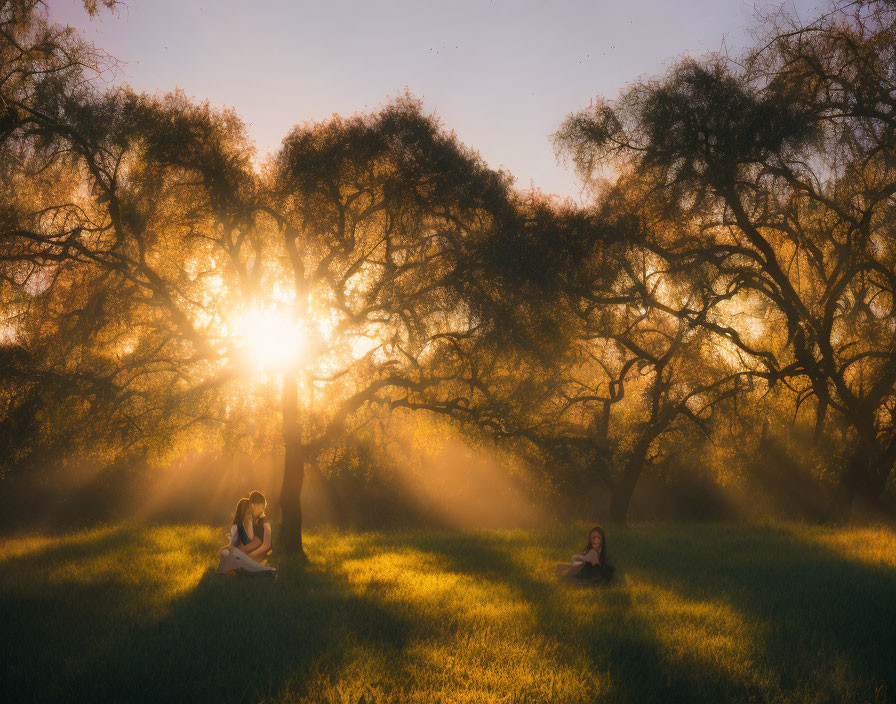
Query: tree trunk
[291,498]
[863,478]
[603,423]
[621,496]
[620,499]
[820,413]
[293,470]
[622,493]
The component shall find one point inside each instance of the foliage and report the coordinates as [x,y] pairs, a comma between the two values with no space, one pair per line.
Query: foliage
[772,181]
[162,292]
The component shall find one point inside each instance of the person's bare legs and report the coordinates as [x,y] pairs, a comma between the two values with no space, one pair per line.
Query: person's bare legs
[232,558]
[568,570]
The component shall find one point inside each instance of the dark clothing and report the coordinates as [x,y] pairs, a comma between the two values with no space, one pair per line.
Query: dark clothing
[595,573]
[257,529]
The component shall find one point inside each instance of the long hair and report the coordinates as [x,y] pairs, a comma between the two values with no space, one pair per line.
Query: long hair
[243,506]
[602,555]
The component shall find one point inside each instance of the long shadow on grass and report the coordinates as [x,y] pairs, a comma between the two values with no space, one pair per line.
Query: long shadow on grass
[614,639]
[77,546]
[241,639]
[806,610]
[722,613]
[223,638]
[824,623]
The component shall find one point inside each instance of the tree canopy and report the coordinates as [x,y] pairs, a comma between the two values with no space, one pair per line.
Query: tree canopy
[163,289]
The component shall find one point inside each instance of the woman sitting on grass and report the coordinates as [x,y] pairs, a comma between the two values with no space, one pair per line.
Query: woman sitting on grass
[252,533]
[590,566]
[246,548]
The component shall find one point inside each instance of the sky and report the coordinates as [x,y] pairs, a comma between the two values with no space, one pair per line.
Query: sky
[502,74]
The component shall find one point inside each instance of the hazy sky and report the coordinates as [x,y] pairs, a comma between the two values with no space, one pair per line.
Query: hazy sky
[502,74]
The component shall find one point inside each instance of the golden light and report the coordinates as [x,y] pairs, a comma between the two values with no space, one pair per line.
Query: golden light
[8,334]
[270,337]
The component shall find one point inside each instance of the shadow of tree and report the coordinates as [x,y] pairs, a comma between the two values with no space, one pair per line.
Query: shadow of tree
[758,614]
[619,640]
[220,637]
[259,634]
[817,624]
[824,623]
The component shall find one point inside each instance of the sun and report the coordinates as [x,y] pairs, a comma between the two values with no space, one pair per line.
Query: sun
[270,337]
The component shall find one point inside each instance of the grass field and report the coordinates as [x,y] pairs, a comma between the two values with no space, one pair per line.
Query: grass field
[698,613]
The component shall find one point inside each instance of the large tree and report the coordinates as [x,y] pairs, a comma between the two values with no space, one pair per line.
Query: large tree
[374,213]
[785,164]
[160,285]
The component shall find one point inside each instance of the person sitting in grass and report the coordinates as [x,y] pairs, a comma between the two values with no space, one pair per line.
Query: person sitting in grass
[590,566]
[252,534]
[250,538]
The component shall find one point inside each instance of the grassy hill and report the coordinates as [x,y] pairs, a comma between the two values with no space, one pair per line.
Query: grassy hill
[698,613]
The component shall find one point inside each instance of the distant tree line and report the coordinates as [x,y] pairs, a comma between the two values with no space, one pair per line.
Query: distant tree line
[731,283]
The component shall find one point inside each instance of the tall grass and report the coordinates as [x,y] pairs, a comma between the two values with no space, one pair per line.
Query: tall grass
[698,613]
